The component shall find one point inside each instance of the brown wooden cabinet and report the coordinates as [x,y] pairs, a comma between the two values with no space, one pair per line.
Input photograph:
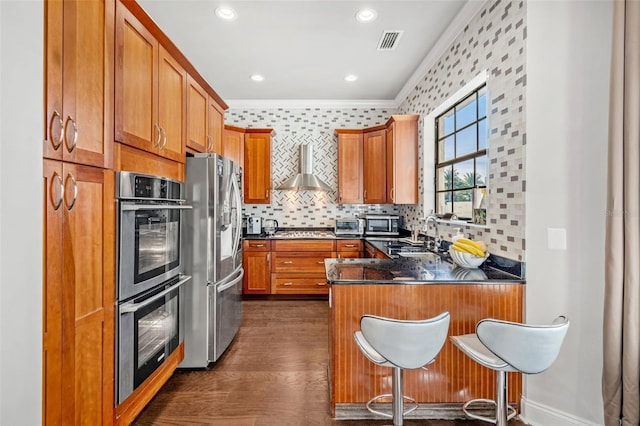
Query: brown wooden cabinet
[375,166]
[298,266]
[198,137]
[233,143]
[150,91]
[402,159]
[349,249]
[350,167]
[256,262]
[79,82]
[215,123]
[78,294]
[257,166]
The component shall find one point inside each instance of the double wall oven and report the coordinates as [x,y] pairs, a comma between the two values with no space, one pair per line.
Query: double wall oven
[150,279]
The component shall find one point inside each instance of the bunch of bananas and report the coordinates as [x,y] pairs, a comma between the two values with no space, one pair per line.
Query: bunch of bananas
[465,245]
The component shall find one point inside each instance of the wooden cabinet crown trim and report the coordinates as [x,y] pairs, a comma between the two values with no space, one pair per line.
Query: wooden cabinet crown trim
[407,117]
[166,42]
[260,130]
[234,128]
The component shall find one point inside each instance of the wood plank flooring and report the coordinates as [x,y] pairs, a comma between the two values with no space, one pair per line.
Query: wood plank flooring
[274,373]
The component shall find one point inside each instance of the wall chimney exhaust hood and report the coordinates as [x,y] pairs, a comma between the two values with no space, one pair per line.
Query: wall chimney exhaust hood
[305,179]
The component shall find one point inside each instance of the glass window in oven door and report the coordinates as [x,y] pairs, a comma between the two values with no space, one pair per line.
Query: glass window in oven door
[156,333]
[377,225]
[157,242]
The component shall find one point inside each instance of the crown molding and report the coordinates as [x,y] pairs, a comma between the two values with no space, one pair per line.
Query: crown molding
[461,20]
[310,103]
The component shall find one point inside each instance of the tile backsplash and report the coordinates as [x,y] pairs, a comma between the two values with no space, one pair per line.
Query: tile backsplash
[312,126]
[494,41]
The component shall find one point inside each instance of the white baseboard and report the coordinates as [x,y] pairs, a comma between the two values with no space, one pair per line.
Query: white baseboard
[535,414]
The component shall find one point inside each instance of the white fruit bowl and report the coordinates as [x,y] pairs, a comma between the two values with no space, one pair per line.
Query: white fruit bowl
[466,260]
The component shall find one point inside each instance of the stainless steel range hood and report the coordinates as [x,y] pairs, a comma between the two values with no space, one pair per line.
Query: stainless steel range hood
[305,179]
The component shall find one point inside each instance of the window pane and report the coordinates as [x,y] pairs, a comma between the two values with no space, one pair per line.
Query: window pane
[466,112]
[443,203]
[466,141]
[446,124]
[443,178]
[482,102]
[482,134]
[446,149]
[463,175]
[462,204]
[481,170]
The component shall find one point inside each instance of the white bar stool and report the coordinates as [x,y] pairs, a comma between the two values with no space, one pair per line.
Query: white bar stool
[400,344]
[506,346]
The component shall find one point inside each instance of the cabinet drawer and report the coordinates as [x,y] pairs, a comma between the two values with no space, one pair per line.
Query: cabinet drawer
[350,255]
[256,245]
[349,245]
[300,262]
[304,245]
[299,284]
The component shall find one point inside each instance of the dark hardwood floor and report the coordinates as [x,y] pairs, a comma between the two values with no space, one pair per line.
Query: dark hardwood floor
[275,373]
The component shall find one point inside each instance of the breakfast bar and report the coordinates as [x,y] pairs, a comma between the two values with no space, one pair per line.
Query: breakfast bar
[415,288]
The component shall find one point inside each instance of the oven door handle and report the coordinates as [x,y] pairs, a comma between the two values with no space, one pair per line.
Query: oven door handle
[135,207]
[134,307]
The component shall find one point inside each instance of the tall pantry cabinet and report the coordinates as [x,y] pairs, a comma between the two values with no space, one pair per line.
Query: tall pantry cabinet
[79,216]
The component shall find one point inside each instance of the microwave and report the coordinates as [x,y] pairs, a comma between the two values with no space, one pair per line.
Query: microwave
[382,224]
[349,226]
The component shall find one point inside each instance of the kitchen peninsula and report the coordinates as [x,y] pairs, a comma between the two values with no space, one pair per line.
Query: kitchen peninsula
[415,288]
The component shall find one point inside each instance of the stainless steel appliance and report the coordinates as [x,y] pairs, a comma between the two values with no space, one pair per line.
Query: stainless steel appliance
[349,226]
[382,224]
[254,225]
[150,283]
[270,226]
[213,256]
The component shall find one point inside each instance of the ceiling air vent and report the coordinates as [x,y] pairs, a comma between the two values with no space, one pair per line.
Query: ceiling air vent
[389,40]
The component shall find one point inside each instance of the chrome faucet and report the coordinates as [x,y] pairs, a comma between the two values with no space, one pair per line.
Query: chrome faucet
[437,239]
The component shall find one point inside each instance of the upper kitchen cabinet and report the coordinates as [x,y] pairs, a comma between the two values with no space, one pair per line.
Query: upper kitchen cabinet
[257,166]
[350,158]
[233,143]
[78,124]
[374,165]
[402,159]
[197,106]
[215,120]
[150,91]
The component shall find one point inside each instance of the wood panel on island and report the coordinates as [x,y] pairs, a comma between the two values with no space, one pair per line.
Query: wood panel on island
[379,165]
[447,383]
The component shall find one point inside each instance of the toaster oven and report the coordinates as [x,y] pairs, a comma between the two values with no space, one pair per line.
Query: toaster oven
[349,226]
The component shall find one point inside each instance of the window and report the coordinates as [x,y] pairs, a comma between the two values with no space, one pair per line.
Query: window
[461,161]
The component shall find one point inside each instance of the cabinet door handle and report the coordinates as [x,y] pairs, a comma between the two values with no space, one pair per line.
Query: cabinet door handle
[287,262]
[365,195]
[268,257]
[321,284]
[75,192]
[209,142]
[266,194]
[321,262]
[75,134]
[56,204]
[61,124]
[164,138]
[256,245]
[340,196]
[157,128]
[349,245]
[393,194]
[288,284]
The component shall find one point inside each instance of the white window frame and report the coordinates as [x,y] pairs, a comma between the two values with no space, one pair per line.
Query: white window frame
[429,140]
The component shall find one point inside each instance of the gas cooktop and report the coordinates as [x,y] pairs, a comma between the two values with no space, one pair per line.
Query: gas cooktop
[304,234]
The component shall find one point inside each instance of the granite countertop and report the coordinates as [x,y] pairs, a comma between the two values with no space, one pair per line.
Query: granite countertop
[429,268]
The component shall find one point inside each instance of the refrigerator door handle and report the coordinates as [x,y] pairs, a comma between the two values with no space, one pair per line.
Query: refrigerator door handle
[238,236]
[231,283]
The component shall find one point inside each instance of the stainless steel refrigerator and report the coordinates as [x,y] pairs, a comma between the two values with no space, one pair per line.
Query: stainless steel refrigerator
[213,257]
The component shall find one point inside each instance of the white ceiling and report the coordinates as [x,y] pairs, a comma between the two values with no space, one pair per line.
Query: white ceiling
[304,49]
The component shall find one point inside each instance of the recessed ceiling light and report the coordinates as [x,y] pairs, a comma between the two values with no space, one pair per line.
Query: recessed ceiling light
[257,77]
[351,77]
[366,15]
[226,13]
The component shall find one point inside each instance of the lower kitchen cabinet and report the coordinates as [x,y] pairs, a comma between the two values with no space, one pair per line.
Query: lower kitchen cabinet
[256,262]
[303,283]
[78,294]
[349,249]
